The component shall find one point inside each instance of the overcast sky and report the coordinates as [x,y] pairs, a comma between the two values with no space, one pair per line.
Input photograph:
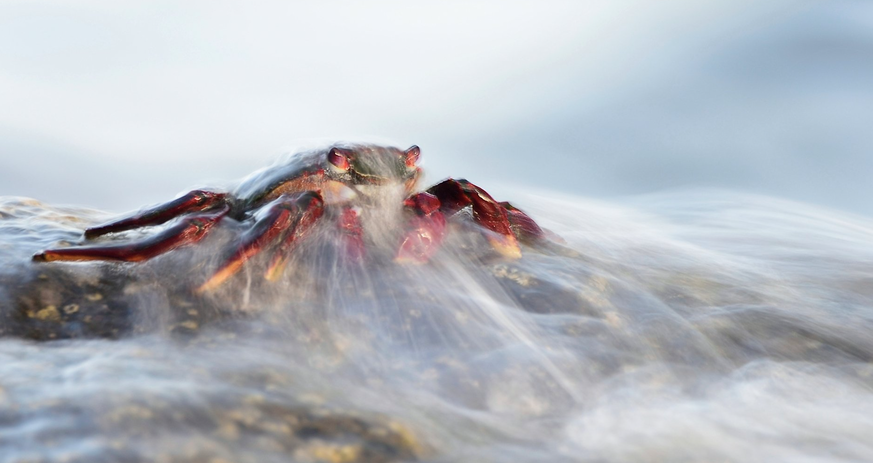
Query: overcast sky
[120,104]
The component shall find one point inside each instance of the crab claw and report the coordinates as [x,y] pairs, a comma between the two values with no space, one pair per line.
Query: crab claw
[455,195]
[424,232]
[286,220]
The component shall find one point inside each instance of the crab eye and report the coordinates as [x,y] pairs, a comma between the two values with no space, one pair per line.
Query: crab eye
[339,159]
[412,155]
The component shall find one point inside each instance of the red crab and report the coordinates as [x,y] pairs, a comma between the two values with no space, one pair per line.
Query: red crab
[284,202]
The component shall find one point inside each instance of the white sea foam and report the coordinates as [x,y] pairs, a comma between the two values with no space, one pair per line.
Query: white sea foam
[692,326]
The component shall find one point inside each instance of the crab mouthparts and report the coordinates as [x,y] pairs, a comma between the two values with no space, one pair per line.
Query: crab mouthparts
[374,195]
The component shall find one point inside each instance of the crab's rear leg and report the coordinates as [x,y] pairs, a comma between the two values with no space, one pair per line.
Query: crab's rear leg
[189,230]
[282,223]
[524,227]
[194,201]
[455,195]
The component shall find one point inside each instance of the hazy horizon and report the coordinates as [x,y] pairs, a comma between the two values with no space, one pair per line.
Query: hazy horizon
[116,106]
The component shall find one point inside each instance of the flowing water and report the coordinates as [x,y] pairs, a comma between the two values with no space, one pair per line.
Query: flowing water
[691,326]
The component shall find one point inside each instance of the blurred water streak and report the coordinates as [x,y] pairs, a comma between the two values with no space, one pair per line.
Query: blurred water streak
[698,326]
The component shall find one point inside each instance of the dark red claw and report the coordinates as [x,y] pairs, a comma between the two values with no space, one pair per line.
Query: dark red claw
[195,201]
[188,231]
[425,231]
[451,196]
[455,195]
[282,216]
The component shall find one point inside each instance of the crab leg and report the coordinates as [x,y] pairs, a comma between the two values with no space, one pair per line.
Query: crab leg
[288,216]
[188,231]
[351,234]
[194,201]
[455,195]
[310,213]
[521,224]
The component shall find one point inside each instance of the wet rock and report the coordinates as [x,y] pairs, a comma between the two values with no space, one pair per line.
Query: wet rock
[137,425]
[71,301]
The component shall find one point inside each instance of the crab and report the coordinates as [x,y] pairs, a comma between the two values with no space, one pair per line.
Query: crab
[281,206]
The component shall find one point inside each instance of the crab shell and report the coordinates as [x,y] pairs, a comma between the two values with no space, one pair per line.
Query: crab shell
[339,174]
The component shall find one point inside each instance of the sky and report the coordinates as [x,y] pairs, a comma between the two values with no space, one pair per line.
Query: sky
[116,105]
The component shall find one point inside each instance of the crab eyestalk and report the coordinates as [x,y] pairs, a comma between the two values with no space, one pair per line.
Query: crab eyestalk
[412,155]
[339,159]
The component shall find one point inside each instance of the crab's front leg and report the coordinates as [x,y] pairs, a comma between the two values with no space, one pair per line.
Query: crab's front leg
[504,224]
[280,226]
[189,230]
[207,209]
[194,201]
